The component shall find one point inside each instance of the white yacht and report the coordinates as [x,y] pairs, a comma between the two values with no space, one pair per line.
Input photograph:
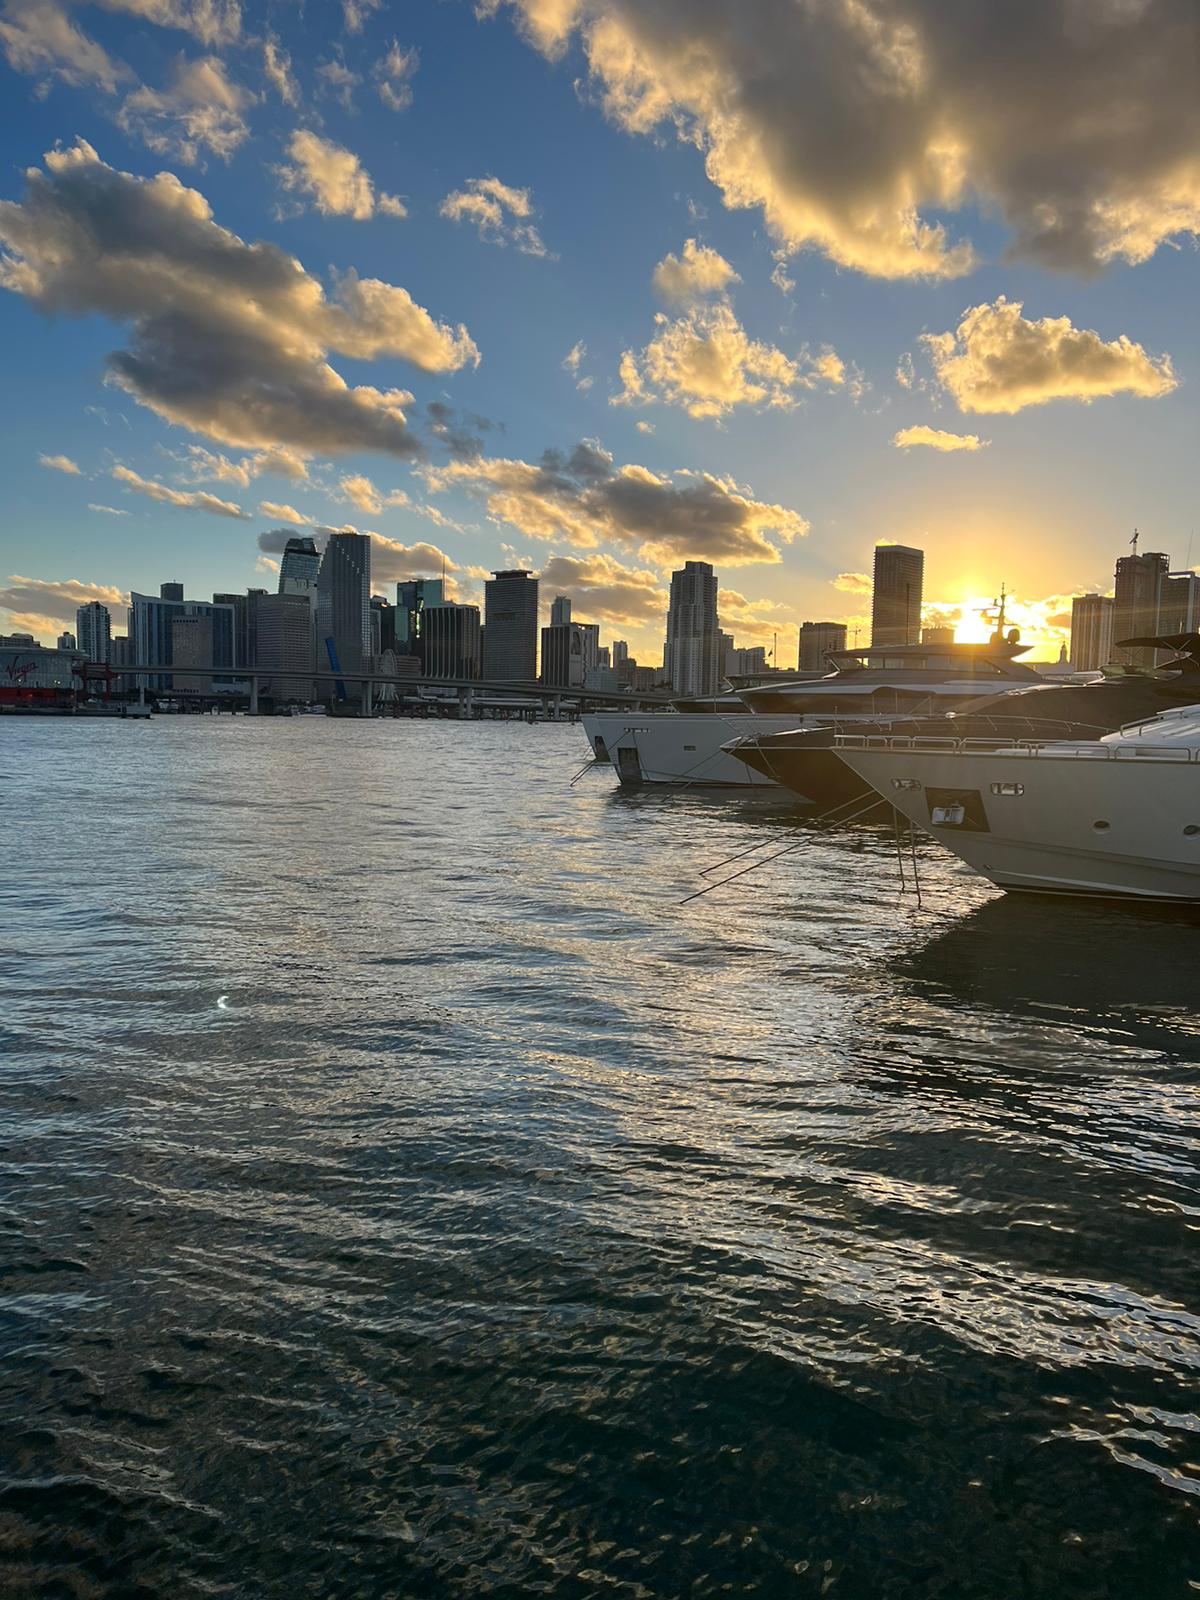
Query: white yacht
[1114,817]
[682,745]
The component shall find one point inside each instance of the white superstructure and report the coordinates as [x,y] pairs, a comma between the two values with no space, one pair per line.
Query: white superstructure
[1119,816]
[683,746]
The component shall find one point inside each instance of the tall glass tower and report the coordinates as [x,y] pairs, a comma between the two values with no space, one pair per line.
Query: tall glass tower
[344,601]
[300,561]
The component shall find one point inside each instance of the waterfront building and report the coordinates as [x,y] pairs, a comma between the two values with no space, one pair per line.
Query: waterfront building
[300,565]
[563,664]
[937,635]
[383,626]
[1139,581]
[253,599]
[620,652]
[448,641]
[1179,607]
[898,582]
[66,640]
[93,630]
[31,675]
[1091,632]
[344,602]
[240,605]
[191,646]
[170,591]
[560,611]
[604,657]
[691,659]
[151,622]
[750,662]
[601,678]
[413,597]
[285,643]
[120,655]
[591,645]
[817,639]
[510,627]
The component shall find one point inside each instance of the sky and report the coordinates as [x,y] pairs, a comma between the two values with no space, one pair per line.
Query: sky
[597,286]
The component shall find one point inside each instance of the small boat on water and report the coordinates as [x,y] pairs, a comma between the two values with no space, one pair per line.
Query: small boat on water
[691,746]
[1117,816]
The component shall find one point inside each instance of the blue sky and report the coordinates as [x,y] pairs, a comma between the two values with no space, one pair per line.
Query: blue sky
[777,462]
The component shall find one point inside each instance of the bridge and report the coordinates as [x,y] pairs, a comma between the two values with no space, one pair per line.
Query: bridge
[467,691]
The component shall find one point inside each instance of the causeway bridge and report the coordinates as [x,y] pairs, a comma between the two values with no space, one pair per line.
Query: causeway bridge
[470,694]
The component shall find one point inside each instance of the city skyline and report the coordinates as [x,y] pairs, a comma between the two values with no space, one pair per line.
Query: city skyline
[740,351]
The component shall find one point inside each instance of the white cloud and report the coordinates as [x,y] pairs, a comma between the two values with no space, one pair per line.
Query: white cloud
[230,340]
[393,75]
[337,80]
[850,123]
[60,464]
[358,488]
[499,212]
[603,589]
[41,606]
[108,511]
[190,500]
[583,499]
[38,36]
[644,427]
[936,439]
[692,277]
[206,466]
[853,582]
[277,69]
[283,513]
[706,363]
[202,109]
[335,178]
[997,361]
[573,363]
[213,22]
[356,12]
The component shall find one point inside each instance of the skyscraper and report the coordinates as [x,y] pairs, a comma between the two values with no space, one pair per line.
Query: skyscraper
[563,653]
[66,640]
[896,594]
[344,602]
[285,643]
[192,646]
[620,651]
[691,655]
[240,605]
[449,641]
[1139,583]
[510,627]
[171,591]
[93,629]
[560,611]
[300,565]
[412,598]
[816,640]
[151,621]
[1179,608]
[1091,631]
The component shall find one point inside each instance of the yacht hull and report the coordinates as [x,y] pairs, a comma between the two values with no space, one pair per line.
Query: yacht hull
[1051,824]
[680,748]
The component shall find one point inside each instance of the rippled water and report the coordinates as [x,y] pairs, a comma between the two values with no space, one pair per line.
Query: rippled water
[403,1194]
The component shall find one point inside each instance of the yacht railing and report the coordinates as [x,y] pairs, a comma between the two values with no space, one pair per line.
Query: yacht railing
[1054,749]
